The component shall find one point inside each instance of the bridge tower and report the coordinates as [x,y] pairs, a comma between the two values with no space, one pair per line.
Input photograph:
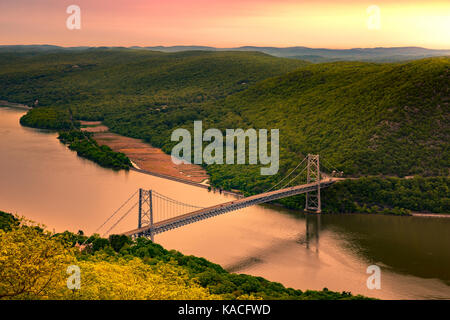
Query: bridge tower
[145,217]
[313,176]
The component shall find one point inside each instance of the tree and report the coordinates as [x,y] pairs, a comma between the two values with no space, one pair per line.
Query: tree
[118,241]
[7,221]
[128,280]
[33,264]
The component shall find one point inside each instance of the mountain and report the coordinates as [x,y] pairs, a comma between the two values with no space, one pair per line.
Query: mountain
[98,82]
[324,55]
[356,54]
[363,118]
[316,55]
[376,119]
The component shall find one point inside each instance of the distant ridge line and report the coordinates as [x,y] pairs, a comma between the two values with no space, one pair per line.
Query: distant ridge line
[376,54]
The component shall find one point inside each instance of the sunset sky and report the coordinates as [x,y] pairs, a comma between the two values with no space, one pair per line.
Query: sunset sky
[227,23]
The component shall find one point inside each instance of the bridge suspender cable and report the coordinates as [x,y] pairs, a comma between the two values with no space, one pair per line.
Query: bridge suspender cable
[293,178]
[115,212]
[111,216]
[121,218]
[328,165]
[287,175]
[163,197]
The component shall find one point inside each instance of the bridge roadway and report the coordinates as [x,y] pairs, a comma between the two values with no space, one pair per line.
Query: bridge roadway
[216,210]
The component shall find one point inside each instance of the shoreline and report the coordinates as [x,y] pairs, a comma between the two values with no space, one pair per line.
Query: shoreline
[144,156]
[430,215]
[96,127]
[413,214]
[180,180]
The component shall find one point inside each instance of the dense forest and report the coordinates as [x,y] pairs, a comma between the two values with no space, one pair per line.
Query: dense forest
[33,264]
[49,118]
[366,119]
[86,147]
[383,195]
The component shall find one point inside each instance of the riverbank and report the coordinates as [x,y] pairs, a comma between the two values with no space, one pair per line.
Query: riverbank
[430,215]
[199,185]
[147,159]
[385,195]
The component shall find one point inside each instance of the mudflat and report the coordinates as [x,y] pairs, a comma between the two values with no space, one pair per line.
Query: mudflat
[145,156]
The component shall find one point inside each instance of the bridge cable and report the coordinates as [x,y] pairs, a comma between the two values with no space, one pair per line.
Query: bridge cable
[287,175]
[165,198]
[110,217]
[294,177]
[115,212]
[121,218]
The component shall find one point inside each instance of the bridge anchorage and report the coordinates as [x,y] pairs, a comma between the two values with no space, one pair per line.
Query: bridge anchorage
[158,213]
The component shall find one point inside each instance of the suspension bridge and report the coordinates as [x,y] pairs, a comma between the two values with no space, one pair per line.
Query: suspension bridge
[158,213]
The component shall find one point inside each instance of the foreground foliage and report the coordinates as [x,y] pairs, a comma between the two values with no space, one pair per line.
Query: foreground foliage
[33,265]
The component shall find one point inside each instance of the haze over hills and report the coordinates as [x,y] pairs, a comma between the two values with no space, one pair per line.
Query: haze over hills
[322,54]
[379,54]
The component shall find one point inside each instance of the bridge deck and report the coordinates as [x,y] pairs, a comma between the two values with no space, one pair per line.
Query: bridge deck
[212,211]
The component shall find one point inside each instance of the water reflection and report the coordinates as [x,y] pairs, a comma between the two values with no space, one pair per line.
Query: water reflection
[408,245]
[312,230]
[308,239]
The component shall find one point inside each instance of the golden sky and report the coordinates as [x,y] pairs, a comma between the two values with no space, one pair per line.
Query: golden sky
[229,23]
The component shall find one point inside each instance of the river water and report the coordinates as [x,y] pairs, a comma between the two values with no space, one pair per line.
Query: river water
[44,181]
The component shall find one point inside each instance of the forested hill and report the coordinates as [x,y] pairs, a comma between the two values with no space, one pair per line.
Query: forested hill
[365,118]
[96,82]
[362,118]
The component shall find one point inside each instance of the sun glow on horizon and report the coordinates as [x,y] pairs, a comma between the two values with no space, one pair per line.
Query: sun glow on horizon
[228,23]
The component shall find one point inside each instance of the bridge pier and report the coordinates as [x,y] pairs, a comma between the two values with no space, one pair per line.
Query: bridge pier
[145,217]
[313,202]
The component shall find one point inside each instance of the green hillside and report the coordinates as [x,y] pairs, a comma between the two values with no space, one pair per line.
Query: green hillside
[96,83]
[363,118]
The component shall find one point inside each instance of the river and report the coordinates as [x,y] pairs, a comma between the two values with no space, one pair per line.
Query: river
[44,181]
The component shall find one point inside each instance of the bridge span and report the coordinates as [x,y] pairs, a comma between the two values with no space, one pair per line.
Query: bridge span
[158,213]
[172,223]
